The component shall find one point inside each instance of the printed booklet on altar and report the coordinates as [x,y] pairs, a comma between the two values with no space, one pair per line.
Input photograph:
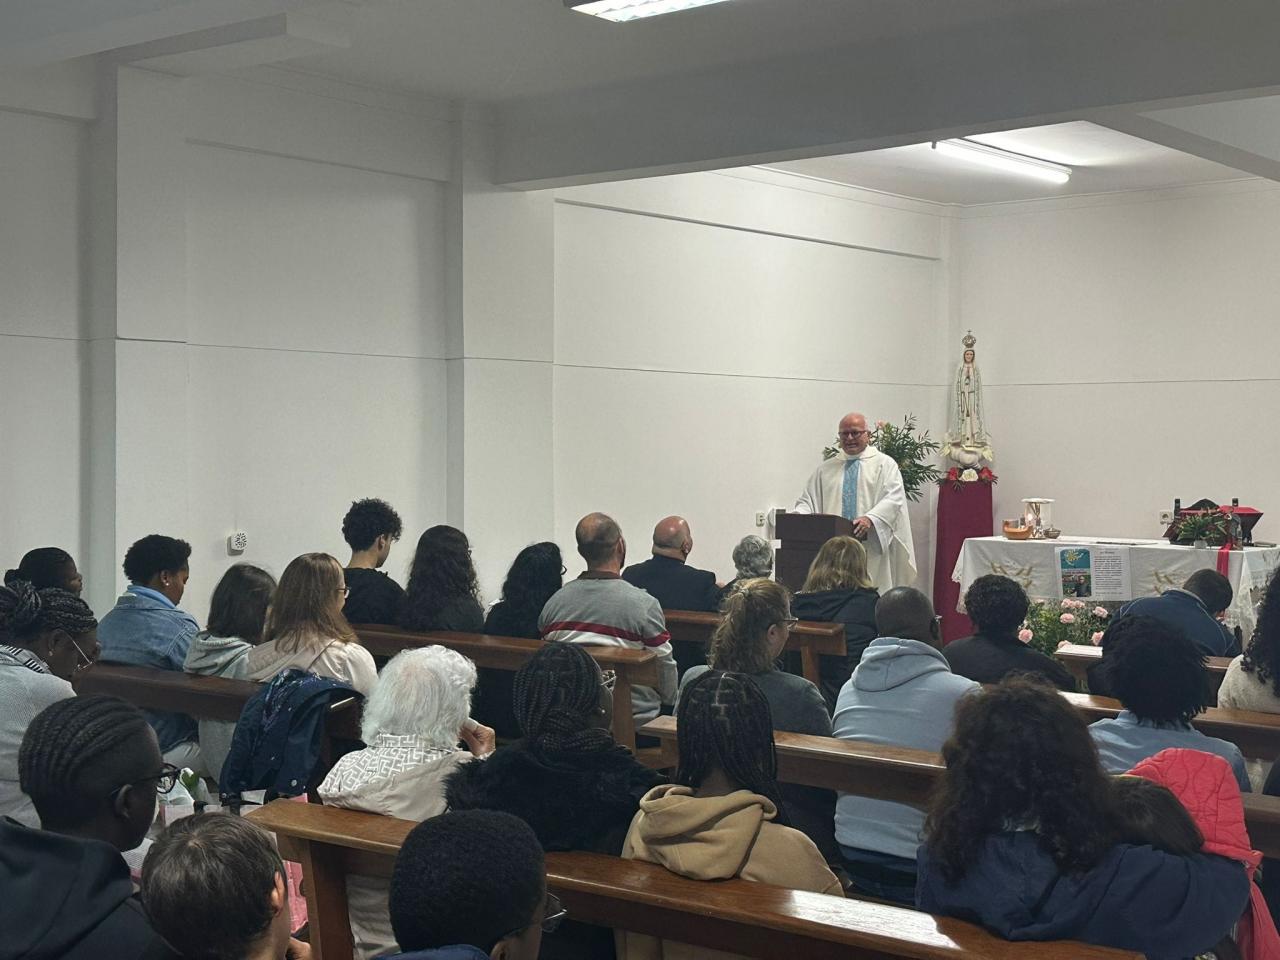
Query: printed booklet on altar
[1095,572]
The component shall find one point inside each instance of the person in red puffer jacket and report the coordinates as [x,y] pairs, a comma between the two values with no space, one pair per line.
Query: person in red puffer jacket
[1206,786]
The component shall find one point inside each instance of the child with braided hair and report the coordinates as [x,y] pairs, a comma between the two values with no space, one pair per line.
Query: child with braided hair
[45,637]
[92,768]
[723,815]
[567,778]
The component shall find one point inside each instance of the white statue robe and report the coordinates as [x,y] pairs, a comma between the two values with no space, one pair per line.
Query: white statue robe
[891,554]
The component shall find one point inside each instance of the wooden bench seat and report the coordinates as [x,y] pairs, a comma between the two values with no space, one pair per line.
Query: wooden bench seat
[1078,658]
[907,776]
[209,698]
[753,919]
[1256,734]
[633,667]
[813,639]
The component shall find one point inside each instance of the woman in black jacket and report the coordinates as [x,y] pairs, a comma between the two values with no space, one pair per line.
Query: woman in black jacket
[567,778]
[838,590]
[536,573]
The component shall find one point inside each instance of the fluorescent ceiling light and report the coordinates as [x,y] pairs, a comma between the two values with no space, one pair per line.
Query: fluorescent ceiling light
[1006,160]
[620,11]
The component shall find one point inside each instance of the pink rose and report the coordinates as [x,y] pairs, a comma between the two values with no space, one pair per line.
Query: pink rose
[1078,604]
[1096,639]
[1101,613]
[1067,618]
[1025,635]
[1066,604]
[881,424]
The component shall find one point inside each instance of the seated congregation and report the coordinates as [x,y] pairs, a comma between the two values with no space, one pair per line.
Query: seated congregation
[1127,833]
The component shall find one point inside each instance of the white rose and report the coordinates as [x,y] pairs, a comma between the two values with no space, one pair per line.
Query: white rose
[969,476]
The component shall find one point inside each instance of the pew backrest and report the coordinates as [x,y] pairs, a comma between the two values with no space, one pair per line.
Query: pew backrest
[1256,734]
[210,698]
[1078,658]
[752,919]
[907,776]
[632,667]
[812,638]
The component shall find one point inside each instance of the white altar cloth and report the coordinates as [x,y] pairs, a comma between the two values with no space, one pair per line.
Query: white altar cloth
[1155,566]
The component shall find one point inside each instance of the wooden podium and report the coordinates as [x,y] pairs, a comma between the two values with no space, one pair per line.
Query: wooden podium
[802,536]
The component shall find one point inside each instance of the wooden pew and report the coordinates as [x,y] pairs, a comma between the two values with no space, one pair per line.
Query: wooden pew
[753,919]
[633,667]
[1078,657]
[811,638]
[907,776]
[1256,734]
[210,698]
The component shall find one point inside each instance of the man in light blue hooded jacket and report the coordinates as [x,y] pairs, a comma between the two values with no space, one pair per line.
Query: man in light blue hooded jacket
[902,694]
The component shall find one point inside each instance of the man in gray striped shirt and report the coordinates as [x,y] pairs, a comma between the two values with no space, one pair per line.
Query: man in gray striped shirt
[602,609]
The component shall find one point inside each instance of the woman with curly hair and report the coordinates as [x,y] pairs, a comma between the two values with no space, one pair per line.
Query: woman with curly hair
[998,606]
[1157,674]
[1023,837]
[536,573]
[442,592]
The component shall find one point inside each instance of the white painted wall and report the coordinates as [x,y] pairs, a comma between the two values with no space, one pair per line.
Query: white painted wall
[1127,344]
[711,329]
[271,337]
[316,331]
[43,326]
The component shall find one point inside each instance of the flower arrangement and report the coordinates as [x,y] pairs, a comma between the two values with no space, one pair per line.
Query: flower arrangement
[1211,526]
[955,476]
[1049,625]
[909,450]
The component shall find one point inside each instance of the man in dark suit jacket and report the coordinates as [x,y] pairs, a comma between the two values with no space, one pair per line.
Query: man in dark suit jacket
[675,584]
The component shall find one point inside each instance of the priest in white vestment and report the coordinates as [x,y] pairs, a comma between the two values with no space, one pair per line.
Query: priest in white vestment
[864,485]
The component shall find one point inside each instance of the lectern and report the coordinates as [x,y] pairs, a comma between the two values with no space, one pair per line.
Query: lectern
[802,536]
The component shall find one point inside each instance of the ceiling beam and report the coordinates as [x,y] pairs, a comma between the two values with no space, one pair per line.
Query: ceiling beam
[38,32]
[1027,69]
[236,46]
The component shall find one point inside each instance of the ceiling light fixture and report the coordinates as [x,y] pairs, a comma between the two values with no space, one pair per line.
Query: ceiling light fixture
[620,11]
[1005,160]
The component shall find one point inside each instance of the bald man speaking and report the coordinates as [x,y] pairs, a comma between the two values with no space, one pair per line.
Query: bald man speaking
[864,485]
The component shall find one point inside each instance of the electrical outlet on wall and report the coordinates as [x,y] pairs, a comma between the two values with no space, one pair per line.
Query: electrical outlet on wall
[760,516]
[1166,517]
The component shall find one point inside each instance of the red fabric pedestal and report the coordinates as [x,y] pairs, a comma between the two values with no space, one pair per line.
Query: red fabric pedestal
[964,511]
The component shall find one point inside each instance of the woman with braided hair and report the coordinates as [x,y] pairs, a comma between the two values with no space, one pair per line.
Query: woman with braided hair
[92,767]
[722,816]
[46,636]
[749,639]
[567,777]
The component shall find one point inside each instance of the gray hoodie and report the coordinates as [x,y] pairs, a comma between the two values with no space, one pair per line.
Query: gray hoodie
[902,694]
[217,657]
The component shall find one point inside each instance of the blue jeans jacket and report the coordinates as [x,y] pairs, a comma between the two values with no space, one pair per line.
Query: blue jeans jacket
[143,630]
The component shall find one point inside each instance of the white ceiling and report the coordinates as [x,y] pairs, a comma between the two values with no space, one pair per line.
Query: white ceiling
[1103,161]
[500,50]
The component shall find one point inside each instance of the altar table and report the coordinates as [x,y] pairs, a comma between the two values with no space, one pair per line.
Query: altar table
[1155,566]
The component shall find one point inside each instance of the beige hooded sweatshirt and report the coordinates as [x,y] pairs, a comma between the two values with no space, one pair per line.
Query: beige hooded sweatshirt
[716,838]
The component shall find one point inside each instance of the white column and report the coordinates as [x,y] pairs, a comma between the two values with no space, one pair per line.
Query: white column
[138,364]
[501,293]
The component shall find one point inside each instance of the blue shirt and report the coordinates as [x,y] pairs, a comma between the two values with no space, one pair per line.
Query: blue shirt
[145,629]
[1183,610]
[1126,740]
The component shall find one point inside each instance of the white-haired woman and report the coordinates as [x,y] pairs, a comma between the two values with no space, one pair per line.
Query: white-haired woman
[418,712]
[752,559]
